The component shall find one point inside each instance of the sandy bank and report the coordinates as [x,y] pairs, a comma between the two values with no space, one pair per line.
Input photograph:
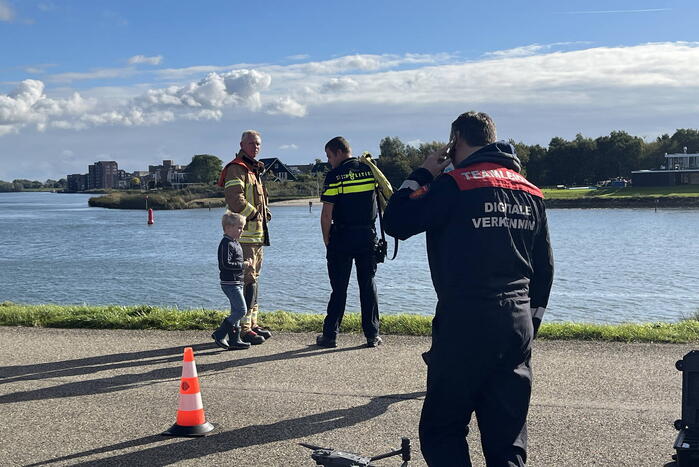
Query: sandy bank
[297,202]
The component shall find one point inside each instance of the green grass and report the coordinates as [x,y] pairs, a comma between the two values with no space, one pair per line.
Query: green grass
[149,317]
[628,192]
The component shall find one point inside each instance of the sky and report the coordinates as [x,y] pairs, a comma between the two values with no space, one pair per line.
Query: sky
[140,82]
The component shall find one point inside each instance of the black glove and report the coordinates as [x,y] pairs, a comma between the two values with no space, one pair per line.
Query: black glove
[537,323]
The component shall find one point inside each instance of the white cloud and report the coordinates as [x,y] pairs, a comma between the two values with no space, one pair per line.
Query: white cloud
[595,77]
[202,100]
[343,83]
[656,77]
[517,51]
[286,106]
[289,146]
[27,104]
[198,70]
[298,57]
[7,13]
[367,62]
[137,59]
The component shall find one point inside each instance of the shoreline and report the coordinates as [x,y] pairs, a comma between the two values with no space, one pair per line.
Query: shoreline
[296,202]
[630,202]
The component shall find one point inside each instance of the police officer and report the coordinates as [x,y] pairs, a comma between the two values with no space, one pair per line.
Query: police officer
[348,225]
[492,269]
[246,195]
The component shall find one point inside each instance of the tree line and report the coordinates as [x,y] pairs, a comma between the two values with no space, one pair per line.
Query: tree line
[581,161]
[22,184]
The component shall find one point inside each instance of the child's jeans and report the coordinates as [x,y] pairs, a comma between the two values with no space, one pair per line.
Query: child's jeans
[235,296]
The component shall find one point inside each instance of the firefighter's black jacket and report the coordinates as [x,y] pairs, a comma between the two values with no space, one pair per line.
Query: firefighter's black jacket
[487,239]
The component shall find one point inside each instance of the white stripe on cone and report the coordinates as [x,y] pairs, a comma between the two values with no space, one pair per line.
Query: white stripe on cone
[190,402]
[189,369]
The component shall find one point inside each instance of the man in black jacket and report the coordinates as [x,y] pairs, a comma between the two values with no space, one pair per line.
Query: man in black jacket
[492,269]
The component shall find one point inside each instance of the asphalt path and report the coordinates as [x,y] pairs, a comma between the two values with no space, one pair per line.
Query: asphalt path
[102,397]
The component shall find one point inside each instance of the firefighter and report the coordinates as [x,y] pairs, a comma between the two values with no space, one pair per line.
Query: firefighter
[246,195]
[492,269]
[348,225]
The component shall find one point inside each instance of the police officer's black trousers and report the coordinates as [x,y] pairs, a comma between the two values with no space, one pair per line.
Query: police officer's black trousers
[339,270]
[480,376]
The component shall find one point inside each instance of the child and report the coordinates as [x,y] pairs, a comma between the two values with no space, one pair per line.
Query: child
[231,267]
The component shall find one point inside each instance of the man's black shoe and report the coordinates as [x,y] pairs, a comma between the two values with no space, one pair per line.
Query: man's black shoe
[374,341]
[253,338]
[262,332]
[322,341]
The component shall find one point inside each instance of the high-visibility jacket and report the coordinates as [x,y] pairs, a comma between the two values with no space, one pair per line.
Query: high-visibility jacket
[246,195]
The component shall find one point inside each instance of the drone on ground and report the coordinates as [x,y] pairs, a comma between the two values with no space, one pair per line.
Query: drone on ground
[333,458]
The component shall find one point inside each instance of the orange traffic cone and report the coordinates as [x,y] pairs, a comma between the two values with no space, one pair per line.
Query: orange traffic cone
[190,412]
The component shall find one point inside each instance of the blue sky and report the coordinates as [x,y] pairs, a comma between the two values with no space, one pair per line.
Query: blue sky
[138,82]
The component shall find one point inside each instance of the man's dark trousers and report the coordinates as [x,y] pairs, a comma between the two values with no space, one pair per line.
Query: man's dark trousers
[346,246]
[477,370]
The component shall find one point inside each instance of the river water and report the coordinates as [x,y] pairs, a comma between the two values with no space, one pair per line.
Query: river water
[612,265]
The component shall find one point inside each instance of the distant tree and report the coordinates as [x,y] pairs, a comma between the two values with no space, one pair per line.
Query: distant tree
[393,160]
[49,183]
[62,183]
[204,168]
[424,150]
[685,138]
[536,168]
[135,182]
[26,184]
[619,154]
[6,186]
[653,156]
[522,151]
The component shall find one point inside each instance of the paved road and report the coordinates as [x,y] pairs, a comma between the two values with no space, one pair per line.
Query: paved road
[101,397]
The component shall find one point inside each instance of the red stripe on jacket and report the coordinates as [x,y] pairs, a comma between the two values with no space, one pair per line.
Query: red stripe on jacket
[488,174]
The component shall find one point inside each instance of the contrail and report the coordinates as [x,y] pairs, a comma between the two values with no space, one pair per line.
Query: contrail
[602,12]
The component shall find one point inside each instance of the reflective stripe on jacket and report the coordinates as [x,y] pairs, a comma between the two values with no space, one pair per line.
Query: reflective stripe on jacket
[246,195]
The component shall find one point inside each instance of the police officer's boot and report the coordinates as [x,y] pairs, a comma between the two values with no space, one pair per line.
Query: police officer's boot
[234,342]
[220,336]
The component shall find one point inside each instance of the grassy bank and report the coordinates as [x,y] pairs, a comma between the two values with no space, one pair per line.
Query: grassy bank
[642,197]
[176,199]
[681,191]
[172,199]
[148,317]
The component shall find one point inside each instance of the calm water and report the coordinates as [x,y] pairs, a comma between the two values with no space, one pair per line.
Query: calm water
[611,265]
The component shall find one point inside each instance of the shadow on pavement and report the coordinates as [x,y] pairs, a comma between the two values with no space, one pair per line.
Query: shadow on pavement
[83,366]
[301,427]
[130,381]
